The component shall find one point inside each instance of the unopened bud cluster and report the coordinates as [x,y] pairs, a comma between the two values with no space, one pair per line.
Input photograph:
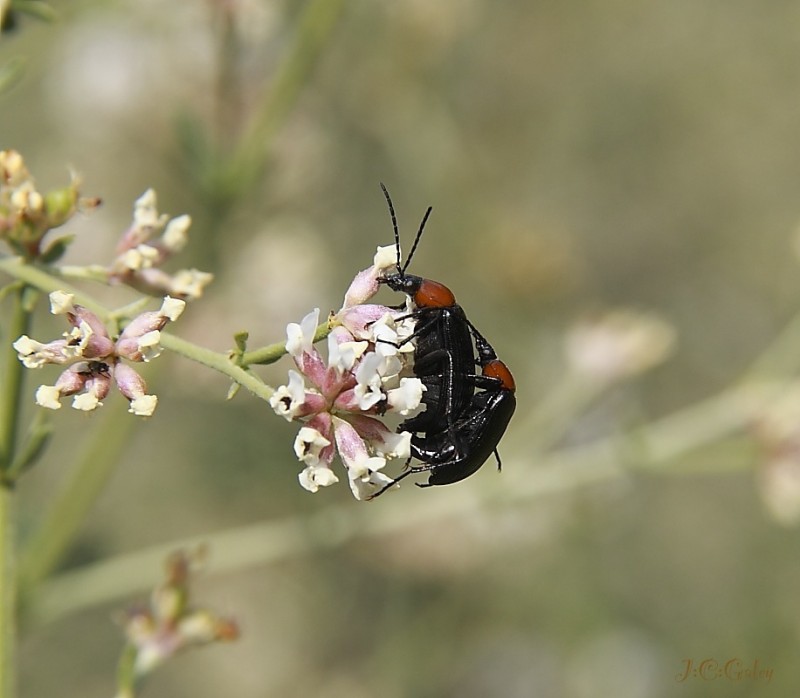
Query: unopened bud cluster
[26,214]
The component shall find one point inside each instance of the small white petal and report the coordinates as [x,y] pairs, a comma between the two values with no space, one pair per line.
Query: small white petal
[48,396]
[309,445]
[149,255]
[172,308]
[190,282]
[30,353]
[407,397]
[300,338]
[364,485]
[368,391]
[287,399]
[175,235]
[343,355]
[312,478]
[143,406]
[385,257]
[61,303]
[145,213]
[130,259]
[149,345]
[394,445]
[34,354]
[86,402]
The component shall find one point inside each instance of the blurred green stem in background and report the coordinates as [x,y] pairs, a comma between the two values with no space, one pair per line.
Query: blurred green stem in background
[10,396]
[87,477]
[314,27]
[8,598]
[654,448]
[61,523]
[226,166]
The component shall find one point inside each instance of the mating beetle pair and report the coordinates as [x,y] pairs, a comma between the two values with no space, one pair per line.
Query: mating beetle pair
[466,414]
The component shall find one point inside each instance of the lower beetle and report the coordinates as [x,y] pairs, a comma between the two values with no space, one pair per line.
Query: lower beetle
[453,455]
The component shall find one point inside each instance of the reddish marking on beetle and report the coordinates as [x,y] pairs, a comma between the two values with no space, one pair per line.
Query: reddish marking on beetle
[432,294]
[497,369]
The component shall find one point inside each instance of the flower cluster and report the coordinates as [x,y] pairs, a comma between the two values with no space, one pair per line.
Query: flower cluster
[148,243]
[365,374]
[169,624]
[26,214]
[618,345]
[94,359]
[778,432]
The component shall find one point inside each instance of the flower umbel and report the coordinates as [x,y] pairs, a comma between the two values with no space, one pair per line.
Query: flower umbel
[148,243]
[339,399]
[169,624]
[778,476]
[94,360]
[27,215]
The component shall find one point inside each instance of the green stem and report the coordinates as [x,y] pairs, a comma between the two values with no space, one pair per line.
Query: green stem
[10,395]
[126,673]
[11,389]
[47,282]
[17,268]
[272,352]
[8,594]
[48,544]
[218,362]
[313,30]
[655,448]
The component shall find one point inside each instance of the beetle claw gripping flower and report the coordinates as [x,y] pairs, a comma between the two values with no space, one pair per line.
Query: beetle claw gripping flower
[339,399]
[94,360]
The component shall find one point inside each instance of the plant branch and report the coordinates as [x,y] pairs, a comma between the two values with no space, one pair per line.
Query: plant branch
[8,593]
[88,476]
[315,25]
[654,448]
[48,282]
[218,362]
[11,388]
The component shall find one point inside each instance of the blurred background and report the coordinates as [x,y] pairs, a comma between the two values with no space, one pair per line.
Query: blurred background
[579,157]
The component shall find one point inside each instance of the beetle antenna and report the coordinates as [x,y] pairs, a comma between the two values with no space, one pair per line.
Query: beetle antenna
[400,269]
[416,239]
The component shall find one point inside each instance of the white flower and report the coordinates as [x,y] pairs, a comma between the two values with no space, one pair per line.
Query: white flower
[407,397]
[393,445]
[149,345]
[342,356]
[315,476]
[385,257]
[176,234]
[140,257]
[288,399]
[300,338]
[86,402]
[172,308]
[48,396]
[190,282]
[619,344]
[144,405]
[365,477]
[145,212]
[372,373]
[61,303]
[308,445]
